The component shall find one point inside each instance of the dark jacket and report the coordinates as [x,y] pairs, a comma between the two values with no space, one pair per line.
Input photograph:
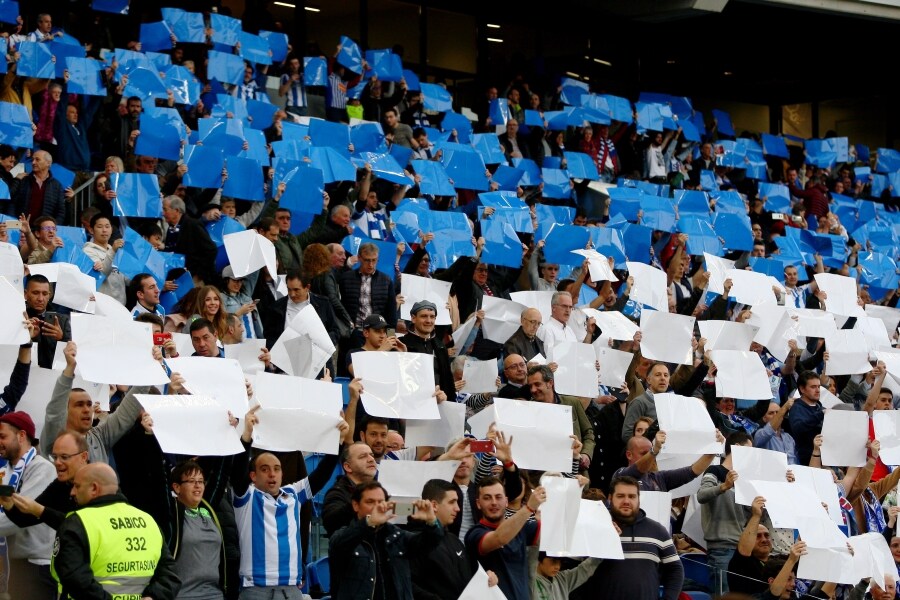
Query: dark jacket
[273,319]
[508,148]
[384,295]
[198,249]
[46,346]
[73,564]
[337,510]
[354,550]
[54,198]
[443,573]
[326,285]
[57,501]
[518,343]
[443,376]
[322,230]
[73,151]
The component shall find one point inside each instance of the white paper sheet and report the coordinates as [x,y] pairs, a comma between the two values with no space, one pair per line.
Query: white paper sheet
[667,337]
[11,266]
[304,347]
[532,299]
[540,432]
[727,335]
[113,351]
[478,589]
[613,324]
[658,506]
[99,392]
[887,431]
[576,373]
[688,426]
[740,375]
[48,270]
[813,322]
[827,399]
[414,289]
[559,513]
[776,328]
[292,429]
[595,535]
[824,487]
[246,354]
[249,252]
[750,287]
[755,464]
[38,393]
[872,558]
[821,533]
[462,332]
[613,365]
[438,432]
[480,376]
[844,437]
[398,385]
[848,353]
[718,269]
[649,287]
[889,316]
[183,344]
[107,306]
[219,378]
[598,265]
[307,322]
[12,315]
[285,391]
[74,289]
[789,504]
[693,524]
[406,478]
[828,564]
[873,331]
[891,360]
[192,425]
[501,318]
[841,294]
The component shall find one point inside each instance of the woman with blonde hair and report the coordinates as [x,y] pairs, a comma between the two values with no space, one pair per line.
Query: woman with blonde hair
[209,305]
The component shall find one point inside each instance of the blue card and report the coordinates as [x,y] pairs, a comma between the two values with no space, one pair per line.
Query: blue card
[4,50]
[460,123]
[434,179]
[256,150]
[204,165]
[303,192]
[862,153]
[894,181]
[226,68]
[315,71]
[507,177]
[862,174]
[502,200]
[692,202]
[63,175]
[708,181]
[466,169]
[729,202]
[878,270]
[701,237]
[412,81]
[557,184]
[436,97]
[489,147]
[386,167]
[690,131]
[367,137]
[145,84]
[331,135]
[498,111]
[534,118]
[532,173]
[187,26]
[888,161]
[581,166]
[557,120]
[609,242]
[278,44]
[170,300]
[9,11]
[15,125]
[773,145]
[255,49]
[636,239]
[62,51]
[619,108]
[4,195]
[561,240]
[245,179]
[820,154]
[35,61]
[156,36]
[502,246]
[217,230]
[334,166]
[385,64]
[723,122]
[118,7]
[139,256]
[262,114]
[520,220]
[349,55]
[649,117]
[776,197]
[84,76]
[137,195]
[879,184]
[160,60]
[158,139]
[225,134]
[226,30]
[658,213]
[625,201]
[549,215]
[452,238]
[653,189]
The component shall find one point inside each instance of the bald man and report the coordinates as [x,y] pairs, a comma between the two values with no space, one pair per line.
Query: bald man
[109,547]
[515,370]
[525,341]
[641,455]
[41,194]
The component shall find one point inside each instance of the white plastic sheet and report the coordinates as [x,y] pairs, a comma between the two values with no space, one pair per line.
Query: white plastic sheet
[415,288]
[667,337]
[113,351]
[398,385]
[192,425]
[576,373]
[844,438]
[650,286]
[688,426]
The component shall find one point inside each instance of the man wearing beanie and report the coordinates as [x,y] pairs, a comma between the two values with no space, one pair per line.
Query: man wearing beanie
[28,474]
[421,338]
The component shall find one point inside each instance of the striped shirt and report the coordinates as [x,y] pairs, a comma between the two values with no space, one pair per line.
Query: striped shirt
[269,530]
[296,93]
[337,91]
[140,309]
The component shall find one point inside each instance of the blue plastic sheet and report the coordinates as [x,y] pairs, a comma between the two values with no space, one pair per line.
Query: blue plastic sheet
[225,134]
[256,142]
[636,239]
[412,81]
[452,238]
[158,139]
[820,154]
[261,113]
[217,230]
[226,30]
[35,61]
[385,64]
[329,134]
[708,181]
[386,167]
[701,237]
[619,108]
[534,118]
[334,166]
[61,51]
[118,7]
[549,215]
[625,201]
[561,240]
[187,26]
[63,175]
[609,242]
[879,184]
[349,55]
[137,195]
[139,256]
[653,189]
[367,137]
[520,220]
[888,161]
[434,179]
[498,111]
[156,36]
[145,84]
[692,202]
[245,179]
[225,68]
[723,122]
[532,173]
[84,77]
[557,184]
[735,229]
[315,71]
[161,62]
[649,117]
[15,125]
[502,200]
[303,192]
[878,270]
[502,246]
[460,123]
[466,169]
[862,174]
[436,97]
[170,299]
[226,103]
[659,213]
[729,202]
[581,166]
[184,85]
[9,11]
[489,147]
[278,44]
[777,197]
[507,177]
[689,131]
[255,49]
[773,145]
[204,165]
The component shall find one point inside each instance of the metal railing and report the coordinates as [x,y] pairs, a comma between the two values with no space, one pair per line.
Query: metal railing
[84,197]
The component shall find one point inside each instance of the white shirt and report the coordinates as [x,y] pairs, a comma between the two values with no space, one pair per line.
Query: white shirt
[556,332]
[293,308]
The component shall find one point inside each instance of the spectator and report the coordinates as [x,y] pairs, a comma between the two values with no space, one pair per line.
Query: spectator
[49,328]
[359,467]
[396,132]
[746,568]
[368,291]
[516,372]
[806,416]
[772,435]
[144,289]
[318,267]
[641,460]
[280,315]
[514,145]
[540,380]
[292,89]
[557,329]
[525,340]
[421,338]
[40,193]
[237,300]
[187,236]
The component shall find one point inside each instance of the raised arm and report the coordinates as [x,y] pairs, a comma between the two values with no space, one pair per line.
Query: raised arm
[748,536]
[510,528]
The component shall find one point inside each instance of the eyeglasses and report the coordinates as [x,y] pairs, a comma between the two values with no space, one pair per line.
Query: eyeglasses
[519,365]
[533,321]
[62,457]
[481,270]
[48,228]
[192,482]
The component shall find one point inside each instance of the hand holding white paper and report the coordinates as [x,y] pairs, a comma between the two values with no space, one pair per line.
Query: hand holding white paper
[478,588]
[532,299]
[308,322]
[727,335]
[559,513]
[219,378]
[740,375]
[462,332]
[844,438]
[11,266]
[74,289]
[576,373]
[887,431]
[848,353]
[776,328]
[598,265]
[398,385]
[297,429]
[247,353]
[113,351]
[501,318]
[667,337]
[789,504]
[650,287]
[540,430]
[249,252]
[406,478]
[750,287]
[595,535]
[613,324]
[438,432]
[416,288]
[12,315]
[480,376]
[688,426]
[813,322]
[754,464]
[718,268]
[191,425]
[613,365]
[842,296]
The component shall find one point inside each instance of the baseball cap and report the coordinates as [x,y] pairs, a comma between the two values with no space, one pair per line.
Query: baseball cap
[228,273]
[20,420]
[422,305]
[375,322]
